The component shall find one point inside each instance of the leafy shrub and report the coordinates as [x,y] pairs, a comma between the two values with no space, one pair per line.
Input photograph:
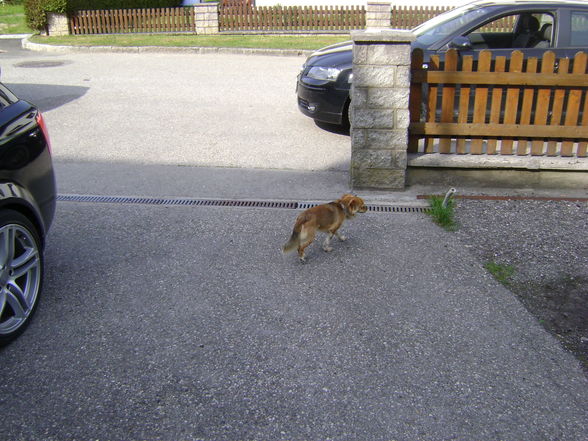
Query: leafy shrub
[35,11]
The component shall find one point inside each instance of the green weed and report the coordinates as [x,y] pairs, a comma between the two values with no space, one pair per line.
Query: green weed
[443,215]
[501,272]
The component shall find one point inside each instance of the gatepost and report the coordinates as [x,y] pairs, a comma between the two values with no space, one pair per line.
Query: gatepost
[379,108]
[206,18]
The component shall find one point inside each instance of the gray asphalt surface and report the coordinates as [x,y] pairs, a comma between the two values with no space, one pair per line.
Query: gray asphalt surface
[175,109]
[187,323]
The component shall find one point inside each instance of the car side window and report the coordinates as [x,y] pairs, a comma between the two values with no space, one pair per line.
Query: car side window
[579,32]
[516,31]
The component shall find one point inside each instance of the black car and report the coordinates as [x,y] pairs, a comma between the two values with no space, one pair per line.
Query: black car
[27,205]
[531,26]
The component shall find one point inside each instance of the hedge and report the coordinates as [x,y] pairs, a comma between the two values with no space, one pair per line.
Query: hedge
[35,11]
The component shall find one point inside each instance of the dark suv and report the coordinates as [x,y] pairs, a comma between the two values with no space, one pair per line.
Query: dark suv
[27,205]
[530,26]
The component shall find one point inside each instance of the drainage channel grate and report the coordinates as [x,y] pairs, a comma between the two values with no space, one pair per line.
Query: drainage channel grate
[222,203]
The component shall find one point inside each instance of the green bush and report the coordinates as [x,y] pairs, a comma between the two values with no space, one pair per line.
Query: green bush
[35,11]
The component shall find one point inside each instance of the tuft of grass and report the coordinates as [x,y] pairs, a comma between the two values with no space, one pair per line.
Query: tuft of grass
[443,215]
[501,272]
[190,40]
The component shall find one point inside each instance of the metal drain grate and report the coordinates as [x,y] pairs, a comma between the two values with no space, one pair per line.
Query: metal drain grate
[222,203]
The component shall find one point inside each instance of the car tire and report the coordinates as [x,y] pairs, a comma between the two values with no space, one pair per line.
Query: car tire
[346,119]
[21,273]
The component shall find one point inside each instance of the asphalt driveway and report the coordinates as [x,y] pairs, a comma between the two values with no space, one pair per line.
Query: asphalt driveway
[169,323]
[192,110]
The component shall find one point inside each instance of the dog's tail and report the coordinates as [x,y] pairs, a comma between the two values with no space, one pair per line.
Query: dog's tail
[292,242]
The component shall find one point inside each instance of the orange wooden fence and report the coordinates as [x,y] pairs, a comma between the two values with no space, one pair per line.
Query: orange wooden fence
[116,21]
[536,107]
[291,18]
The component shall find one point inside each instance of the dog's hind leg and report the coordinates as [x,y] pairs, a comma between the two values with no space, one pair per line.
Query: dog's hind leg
[306,238]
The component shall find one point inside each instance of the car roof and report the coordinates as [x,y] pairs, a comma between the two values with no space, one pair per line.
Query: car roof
[542,3]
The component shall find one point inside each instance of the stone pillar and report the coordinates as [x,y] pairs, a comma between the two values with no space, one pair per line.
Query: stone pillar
[378,15]
[206,15]
[379,108]
[57,24]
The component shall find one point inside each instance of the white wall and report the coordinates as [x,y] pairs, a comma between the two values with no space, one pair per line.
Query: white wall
[358,2]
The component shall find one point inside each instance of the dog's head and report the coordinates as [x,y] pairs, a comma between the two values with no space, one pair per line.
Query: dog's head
[353,204]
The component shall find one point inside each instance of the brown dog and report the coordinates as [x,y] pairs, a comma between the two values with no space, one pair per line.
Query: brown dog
[327,218]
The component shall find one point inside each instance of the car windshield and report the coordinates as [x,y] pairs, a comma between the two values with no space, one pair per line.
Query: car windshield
[447,23]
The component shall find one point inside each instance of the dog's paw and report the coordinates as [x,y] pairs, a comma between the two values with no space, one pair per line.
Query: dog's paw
[328,249]
[342,238]
[302,259]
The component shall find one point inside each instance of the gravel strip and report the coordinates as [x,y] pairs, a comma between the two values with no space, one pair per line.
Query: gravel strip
[546,243]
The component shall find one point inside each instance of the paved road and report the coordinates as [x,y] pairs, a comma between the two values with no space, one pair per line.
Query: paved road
[205,110]
[187,323]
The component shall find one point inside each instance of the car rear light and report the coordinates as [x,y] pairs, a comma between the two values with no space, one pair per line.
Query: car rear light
[43,126]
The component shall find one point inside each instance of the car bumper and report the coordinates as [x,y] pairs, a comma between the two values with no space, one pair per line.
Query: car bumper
[324,104]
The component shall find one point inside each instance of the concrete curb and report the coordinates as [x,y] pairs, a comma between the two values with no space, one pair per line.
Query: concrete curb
[497,162]
[27,44]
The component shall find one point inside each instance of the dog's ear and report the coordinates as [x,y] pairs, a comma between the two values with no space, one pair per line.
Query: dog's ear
[346,199]
[357,204]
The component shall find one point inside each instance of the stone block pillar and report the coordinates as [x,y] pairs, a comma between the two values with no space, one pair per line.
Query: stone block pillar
[57,24]
[378,15]
[206,15]
[379,108]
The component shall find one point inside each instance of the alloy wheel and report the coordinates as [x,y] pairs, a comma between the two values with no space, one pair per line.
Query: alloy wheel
[20,277]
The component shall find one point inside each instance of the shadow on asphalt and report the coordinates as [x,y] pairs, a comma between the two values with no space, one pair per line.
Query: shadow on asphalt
[48,96]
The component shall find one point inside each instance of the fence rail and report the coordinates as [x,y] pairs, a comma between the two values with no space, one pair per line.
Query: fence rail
[526,107]
[132,20]
[291,18]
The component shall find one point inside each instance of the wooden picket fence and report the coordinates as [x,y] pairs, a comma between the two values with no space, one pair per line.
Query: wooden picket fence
[117,21]
[525,107]
[408,17]
[240,15]
[291,18]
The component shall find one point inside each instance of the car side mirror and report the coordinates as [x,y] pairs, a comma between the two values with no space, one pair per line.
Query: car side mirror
[461,43]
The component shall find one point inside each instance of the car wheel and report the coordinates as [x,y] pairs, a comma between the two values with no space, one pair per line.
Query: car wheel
[346,123]
[21,273]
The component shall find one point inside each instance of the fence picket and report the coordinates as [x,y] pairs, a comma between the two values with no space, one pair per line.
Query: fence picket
[432,104]
[481,101]
[415,98]
[512,102]
[448,99]
[527,106]
[464,102]
[574,99]
[496,105]
[542,105]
